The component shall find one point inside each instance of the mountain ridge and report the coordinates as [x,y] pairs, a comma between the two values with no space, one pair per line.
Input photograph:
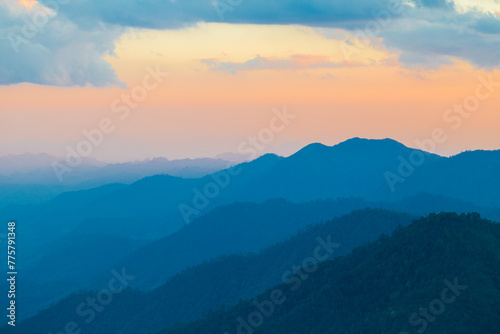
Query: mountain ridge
[438,275]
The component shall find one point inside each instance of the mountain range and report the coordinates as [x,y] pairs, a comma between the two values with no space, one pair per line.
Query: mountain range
[438,275]
[162,225]
[224,279]
[31,178]
[162,204]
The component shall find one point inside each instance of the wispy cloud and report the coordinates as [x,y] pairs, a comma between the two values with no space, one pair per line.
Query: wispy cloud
[292,63]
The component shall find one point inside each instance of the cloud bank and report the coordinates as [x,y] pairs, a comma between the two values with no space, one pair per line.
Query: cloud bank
[68,48]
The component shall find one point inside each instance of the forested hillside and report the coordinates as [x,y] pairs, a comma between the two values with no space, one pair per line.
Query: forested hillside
[438,275]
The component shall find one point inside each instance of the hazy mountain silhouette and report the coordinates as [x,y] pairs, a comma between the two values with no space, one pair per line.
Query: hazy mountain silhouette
[254,230]
[64,264]
[30,179]
[240,227]
[156,206]
[149,208]
[236,228]
[25,163]
[247,227]
[231,156]
[38,169]
[472,176]
[355,168]
[197,290]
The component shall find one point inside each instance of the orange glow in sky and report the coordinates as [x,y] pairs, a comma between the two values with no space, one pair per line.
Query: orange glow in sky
[370,95]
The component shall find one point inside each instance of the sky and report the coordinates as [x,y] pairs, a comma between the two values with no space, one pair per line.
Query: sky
[195,78]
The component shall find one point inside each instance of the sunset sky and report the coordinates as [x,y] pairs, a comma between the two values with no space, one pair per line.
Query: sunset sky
[359,68]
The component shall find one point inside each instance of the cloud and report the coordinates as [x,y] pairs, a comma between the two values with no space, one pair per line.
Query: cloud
[327,76]
[169,14]
[435,39]
[487,24]
[68,49]
[425,25]
[293,63]
[40,46]
[446,4]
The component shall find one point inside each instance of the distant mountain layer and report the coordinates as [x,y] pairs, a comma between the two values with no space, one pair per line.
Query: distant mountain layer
[370,169]
[26,163]
[438,275]
[30,179]
[197,290]
[39,169]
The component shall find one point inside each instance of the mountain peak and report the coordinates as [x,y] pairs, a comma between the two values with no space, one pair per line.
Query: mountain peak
[356,144]
[365,142]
